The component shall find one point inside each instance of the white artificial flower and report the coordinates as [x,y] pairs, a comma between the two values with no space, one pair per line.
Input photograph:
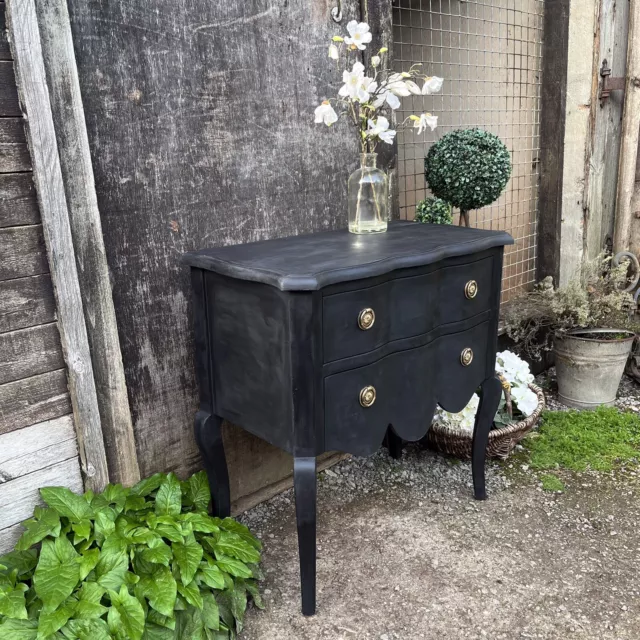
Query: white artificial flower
[398,87]
[432,85]
[381,129]
[514,369]
[413,87]
[526,400]
[388,97]
[356,85]
[466,419]
[325,113]
[333,52]
[425,120]
[375,61]
[360,34]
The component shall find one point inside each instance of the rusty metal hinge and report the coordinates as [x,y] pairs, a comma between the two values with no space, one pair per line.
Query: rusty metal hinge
[609,84]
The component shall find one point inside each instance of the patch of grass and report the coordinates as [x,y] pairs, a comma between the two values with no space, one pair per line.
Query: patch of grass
[551,483]
[578,440]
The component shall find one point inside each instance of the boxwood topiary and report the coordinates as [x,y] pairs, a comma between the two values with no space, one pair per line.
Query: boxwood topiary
[146,563]
[434,211]
[469,168]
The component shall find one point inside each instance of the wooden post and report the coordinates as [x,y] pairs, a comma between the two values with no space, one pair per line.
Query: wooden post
[34,99]
[86,229]
[629,140]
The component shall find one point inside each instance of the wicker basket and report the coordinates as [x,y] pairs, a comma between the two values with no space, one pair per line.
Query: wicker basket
[457,442]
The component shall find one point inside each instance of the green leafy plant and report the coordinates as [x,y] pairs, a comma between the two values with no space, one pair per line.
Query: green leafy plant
[468,168]
[552,483]
[434,211]
[146,563]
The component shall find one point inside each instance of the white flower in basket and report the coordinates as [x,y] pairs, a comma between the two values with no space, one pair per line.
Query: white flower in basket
[517,372]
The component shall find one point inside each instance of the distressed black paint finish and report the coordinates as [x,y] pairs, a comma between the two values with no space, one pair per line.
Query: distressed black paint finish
[280,351]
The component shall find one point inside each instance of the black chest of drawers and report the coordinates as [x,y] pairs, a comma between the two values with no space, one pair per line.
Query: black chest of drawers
[335,341]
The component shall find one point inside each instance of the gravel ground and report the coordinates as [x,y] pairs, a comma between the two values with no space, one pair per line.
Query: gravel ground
[405,553]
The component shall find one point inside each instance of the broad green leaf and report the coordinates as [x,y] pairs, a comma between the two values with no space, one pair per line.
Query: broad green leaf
[130,613]
[162,621]
[23,562]
[67,503]
[191,593]
[49,623]
[116,494]
[188,557]
[148,485]
[193,626]
[211,575]
[169,497]
[13,605]
[239,605]
[46,522]
[256,571]
[57,573]
[159,553]
[224,607]
[91,592]
[18,629]
[131,578]
[210,613]
[94,629]
[168,528]
[160,590]
[136,503]
[104,525]
[82,531]
[231,544]
[88,561]
[86,610]
[229,524]
[201,522]
[198,493]
[112,566]
[234,567]
[156,632]
[252,588]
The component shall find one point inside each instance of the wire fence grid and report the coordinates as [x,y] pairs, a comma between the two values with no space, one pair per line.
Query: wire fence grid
[490,54]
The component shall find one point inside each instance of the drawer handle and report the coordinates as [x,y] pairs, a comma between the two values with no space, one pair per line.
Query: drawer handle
[466,357]
[367,396]
[366,318]
[471,289]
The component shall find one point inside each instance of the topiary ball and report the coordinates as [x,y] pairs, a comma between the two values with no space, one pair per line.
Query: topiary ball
[434,211]
[468,168]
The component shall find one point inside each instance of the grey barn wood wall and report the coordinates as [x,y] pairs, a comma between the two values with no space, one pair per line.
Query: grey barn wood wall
[200,121]
[38,444]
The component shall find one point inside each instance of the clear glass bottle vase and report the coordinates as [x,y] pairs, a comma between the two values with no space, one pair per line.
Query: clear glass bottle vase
[368,191]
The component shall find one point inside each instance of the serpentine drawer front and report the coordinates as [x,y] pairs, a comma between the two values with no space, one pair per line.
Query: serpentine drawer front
[335,341]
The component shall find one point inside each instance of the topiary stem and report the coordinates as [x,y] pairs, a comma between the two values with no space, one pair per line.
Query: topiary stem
[464,215]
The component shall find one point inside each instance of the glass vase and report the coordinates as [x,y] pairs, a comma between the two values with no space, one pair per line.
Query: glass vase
[368,191]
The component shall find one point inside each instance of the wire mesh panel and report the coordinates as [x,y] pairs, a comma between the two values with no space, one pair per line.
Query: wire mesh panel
[490,54]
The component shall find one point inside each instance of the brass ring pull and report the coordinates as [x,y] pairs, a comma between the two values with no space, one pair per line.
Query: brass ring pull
[466,357]
[366,318]
[471,289]
[367,396]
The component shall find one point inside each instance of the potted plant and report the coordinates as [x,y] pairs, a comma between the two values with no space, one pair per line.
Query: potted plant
[468,168]
[589,324]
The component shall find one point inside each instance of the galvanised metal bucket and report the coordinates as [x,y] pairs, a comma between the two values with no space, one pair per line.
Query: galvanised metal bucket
[589,368]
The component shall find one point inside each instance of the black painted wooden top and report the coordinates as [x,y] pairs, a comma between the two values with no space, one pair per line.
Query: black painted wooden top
[309,262]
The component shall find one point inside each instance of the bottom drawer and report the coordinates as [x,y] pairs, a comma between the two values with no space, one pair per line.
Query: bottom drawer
[403,389]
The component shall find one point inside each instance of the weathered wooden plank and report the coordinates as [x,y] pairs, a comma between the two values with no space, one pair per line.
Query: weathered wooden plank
[29,352]
[23,252]
[34,96]
[32,400]
[18,204]
[606,119]
[9,537]
[86,229]
[8,93]
[14,155]
[26,302]
[5,53]
[19,497]
[552,130]
[626,235]
[36,447]
[183,161]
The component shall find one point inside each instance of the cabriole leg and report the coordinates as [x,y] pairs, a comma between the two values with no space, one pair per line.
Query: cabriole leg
[304,482]
[491,392]
[208,432]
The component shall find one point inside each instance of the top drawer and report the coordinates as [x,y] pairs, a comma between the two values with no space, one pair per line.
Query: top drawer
[359,321]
